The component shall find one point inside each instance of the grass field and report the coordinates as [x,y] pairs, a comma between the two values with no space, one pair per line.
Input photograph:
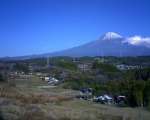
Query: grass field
[31,81]
[56,103]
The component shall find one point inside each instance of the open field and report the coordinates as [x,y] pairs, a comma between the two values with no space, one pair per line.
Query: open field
[56,103]
[30,81]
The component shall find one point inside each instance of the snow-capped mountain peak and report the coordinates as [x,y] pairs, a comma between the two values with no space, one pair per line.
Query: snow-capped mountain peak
[111,35]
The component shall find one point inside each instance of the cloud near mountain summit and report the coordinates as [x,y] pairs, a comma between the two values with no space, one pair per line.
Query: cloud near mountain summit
[138,40]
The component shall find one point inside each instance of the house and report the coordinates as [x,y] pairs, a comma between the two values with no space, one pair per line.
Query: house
[105,99]
[38,74]
[47,79]
[121,100]
[108,98]
[84,66]
[84,93]
[80,93]
[101,98]
[53,81]
[86,90]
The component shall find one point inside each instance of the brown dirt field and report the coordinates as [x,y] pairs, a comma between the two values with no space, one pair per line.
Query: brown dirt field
[56,103]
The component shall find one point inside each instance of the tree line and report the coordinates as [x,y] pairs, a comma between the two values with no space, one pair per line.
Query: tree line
[106,78]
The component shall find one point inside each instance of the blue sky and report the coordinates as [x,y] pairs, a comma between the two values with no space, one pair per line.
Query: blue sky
[43,26]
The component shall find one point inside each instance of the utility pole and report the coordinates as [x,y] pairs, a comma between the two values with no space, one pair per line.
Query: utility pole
[73,58]
[102,57]
[47,61]
[10,69]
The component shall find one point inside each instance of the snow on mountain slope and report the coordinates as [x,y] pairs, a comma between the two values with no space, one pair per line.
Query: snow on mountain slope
[111,35]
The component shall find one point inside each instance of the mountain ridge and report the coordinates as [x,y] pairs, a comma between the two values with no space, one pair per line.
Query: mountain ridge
[111,44]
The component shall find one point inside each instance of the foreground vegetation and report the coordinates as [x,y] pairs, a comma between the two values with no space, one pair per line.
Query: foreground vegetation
[30,103]
[36,100]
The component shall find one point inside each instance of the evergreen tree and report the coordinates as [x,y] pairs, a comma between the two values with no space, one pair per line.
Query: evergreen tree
[130,88]
[147,93]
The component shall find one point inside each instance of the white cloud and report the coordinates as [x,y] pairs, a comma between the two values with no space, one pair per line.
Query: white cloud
[138,40]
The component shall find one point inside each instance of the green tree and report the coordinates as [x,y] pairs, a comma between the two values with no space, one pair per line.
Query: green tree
[96,64]
[130,88]
[147,93]
[22,67]
[68,65]
[139,97]
[140,86]
[1,78]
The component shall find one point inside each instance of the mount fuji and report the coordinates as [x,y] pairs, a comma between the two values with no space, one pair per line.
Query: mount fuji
[109,44]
